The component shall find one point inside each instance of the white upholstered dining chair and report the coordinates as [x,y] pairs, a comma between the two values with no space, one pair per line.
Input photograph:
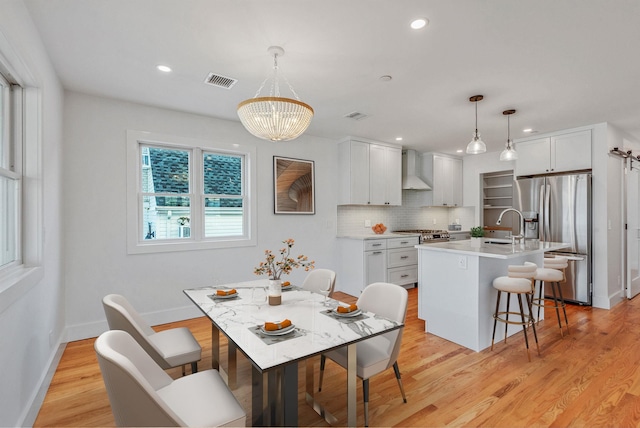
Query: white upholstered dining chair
[170,348]
[378,353]
[318,279]
[141,393]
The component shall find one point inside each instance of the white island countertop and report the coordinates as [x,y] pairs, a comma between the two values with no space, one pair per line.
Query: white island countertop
[497,251]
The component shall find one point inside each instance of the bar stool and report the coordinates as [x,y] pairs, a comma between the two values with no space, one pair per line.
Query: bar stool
[553,273]
[519,281]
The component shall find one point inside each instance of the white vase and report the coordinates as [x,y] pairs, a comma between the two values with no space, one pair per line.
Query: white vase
[476,242]
[275,292]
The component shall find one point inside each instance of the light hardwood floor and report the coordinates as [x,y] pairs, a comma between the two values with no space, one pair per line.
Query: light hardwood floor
[589,378]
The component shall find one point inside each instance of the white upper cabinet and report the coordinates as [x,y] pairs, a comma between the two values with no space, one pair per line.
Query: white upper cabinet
[370,173]
[444,175]
[557,153]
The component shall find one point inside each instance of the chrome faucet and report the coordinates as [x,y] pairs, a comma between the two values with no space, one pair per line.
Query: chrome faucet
[522,231]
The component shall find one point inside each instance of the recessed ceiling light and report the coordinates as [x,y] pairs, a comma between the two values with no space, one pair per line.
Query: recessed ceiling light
[398,138]
[527,130]
[419,23]
[459,151]
[164,68]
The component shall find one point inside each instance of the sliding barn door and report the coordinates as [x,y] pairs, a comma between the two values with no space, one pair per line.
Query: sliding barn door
[633,229]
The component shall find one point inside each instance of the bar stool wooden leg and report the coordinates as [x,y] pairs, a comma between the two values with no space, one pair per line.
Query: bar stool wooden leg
[495,318]
[524,326]
[556,304]
[532,320]
[564,308]
[506,317]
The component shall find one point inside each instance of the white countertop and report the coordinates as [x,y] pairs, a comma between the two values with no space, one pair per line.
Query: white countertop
[374,236]
[498,251]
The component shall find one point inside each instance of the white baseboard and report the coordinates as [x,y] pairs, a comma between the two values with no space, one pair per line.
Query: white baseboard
[95,328]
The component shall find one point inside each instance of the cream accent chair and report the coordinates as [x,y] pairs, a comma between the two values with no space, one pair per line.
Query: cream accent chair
[169,348]
[318,279]
[141,393]
[378,353]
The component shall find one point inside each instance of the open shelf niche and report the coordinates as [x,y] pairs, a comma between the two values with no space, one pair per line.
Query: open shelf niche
[497,195]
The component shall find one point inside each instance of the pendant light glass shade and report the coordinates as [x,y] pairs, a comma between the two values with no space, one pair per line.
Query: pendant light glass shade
[476,145]
[275,118]
[509,153]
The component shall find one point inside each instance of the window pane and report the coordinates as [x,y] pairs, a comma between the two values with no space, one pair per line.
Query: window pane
[8,220]
[168,171]
[223,217]
[170,221]
[222,174]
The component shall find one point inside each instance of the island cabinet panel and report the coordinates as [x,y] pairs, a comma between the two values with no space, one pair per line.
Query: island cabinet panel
[564,152]
[369,173]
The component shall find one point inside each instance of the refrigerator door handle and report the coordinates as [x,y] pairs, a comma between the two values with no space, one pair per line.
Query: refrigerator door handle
[543,218]
[547,212]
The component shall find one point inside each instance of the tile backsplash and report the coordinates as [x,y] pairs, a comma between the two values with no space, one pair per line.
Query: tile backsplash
[351,218]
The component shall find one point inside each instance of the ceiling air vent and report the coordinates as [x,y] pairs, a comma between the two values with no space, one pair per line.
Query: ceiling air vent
[219,81]
[356,115]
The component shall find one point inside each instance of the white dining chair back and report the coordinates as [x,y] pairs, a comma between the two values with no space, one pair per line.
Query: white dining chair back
[318,279]
[141,393]
[378,353]
[169,348]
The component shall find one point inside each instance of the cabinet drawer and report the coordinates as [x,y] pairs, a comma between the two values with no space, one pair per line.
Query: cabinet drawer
[375,244]
[402,257]
[408,242]
[403,275]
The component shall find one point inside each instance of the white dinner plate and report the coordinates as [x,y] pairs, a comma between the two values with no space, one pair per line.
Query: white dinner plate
[280,332]
[287,288]
[229,296]
[348,314]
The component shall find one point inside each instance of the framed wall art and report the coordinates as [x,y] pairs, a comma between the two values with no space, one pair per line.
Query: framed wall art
[293,186]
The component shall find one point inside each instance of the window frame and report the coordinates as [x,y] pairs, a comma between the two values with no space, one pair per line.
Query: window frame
[197,148]
[17,277]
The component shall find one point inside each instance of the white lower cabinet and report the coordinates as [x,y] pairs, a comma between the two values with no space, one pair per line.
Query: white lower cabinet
[365,261]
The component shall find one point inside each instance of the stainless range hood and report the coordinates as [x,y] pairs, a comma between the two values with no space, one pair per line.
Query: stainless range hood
[410,180]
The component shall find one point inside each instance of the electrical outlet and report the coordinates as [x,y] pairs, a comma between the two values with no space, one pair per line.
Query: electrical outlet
[462,262]
[434,221]
[367,223]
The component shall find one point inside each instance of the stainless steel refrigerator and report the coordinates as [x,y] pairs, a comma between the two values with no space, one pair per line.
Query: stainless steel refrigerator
[558,209]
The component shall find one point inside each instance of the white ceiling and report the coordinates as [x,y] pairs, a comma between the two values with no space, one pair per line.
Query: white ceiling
[559,63]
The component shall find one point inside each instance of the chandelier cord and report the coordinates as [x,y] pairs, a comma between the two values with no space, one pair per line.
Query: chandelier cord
[274,90]
[476,103]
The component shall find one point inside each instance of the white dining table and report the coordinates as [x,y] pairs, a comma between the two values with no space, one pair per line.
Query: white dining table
[275,359]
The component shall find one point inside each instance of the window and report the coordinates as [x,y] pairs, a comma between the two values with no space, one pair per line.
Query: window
[185,194]
[9,180]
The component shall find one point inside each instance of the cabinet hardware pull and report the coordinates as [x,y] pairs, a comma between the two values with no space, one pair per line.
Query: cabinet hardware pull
[404,257]
[404,276]
[375,245]
[404,242]
[377,252]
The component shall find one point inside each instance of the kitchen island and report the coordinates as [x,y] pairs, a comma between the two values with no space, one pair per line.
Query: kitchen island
[456,298]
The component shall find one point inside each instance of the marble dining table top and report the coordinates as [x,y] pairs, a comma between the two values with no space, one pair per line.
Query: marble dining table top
[316,330]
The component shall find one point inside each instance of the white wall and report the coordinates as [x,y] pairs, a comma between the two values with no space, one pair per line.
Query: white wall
[32,316]
[97,262]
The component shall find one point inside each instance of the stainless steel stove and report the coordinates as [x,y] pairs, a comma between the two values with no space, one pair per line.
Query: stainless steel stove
[428,236]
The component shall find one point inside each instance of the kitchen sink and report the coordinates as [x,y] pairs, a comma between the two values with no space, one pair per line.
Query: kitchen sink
[498,241]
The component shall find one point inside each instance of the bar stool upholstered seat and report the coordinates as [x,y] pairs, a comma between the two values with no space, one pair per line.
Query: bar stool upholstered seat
[519,282]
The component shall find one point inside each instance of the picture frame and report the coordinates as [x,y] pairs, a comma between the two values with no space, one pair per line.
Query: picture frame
[293,186]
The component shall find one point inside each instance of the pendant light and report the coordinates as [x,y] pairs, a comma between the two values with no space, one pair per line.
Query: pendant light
[509,153]
[274,117]
[476,145]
